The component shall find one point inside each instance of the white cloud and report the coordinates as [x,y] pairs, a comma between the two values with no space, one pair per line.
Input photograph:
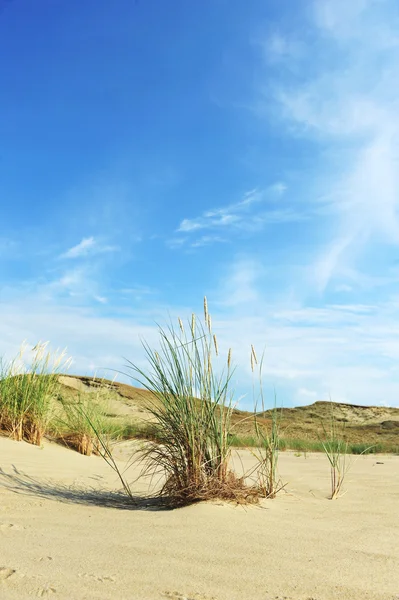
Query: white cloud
[188,225]
[95,342]
[81,249]
[88,246]
[70,279]
[348,351]
[252,213]
[347,99]
[338,17]
[206,240]
[279,188]
[176,242]
[240,287]
[79,285]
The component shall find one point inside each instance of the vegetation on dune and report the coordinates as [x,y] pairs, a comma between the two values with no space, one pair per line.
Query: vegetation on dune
[74,422]
[27,392]
[192,409]
[185,415]
[370,429]
[336,450]
[268,438]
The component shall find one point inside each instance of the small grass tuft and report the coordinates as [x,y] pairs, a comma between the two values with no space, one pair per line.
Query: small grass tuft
[336,449]
[268,436]
[74,422]
[27,392]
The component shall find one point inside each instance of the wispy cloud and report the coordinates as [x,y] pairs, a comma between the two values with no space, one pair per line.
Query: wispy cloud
[81,329]
[254,211]
[79,285]
[81,249]
[348,351]
[347,97]
[206,240]
[88,246]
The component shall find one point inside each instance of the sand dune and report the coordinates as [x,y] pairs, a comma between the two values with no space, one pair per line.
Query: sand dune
[65,535]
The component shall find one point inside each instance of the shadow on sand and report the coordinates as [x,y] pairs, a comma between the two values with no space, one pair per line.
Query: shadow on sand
[21,483]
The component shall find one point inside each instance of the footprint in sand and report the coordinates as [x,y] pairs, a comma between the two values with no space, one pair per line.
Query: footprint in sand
[101,578]
[46,591]
[5,573]
[181,596]
[9,526]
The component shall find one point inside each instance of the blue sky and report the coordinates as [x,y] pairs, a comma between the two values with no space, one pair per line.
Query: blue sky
[155,152]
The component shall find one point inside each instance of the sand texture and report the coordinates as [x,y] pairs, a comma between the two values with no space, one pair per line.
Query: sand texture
[64,535]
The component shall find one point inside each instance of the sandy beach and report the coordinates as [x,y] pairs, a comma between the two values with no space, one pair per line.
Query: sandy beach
[64,535]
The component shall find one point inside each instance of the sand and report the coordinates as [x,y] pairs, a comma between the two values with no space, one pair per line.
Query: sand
[62,535]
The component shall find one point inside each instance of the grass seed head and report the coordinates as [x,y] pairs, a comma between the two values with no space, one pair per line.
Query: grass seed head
[181,325]
[39,350]
[23,349]
[205,309]
[254,354]
[229,359]
[215,342]
[193,324]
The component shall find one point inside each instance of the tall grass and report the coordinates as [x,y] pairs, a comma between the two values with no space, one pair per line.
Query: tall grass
[336,449]
[77,421]
[192,409]
[268,437]
[27,392]
[267,454]
[104,450]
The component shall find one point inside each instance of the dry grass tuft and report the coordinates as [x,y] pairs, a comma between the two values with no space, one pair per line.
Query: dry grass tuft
[231,489]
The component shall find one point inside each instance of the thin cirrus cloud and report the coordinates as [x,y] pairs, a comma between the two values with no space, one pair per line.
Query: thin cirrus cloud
[206,240]
[250,213]
[88,246]
[347,100]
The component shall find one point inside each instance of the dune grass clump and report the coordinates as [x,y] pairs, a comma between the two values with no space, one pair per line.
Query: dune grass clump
[361,448]
[336,448]
[80,421]
[266,453]
[268,438]
[192,410]
[27,392]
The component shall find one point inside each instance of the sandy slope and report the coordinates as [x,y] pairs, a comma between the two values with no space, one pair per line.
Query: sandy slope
[59,542]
